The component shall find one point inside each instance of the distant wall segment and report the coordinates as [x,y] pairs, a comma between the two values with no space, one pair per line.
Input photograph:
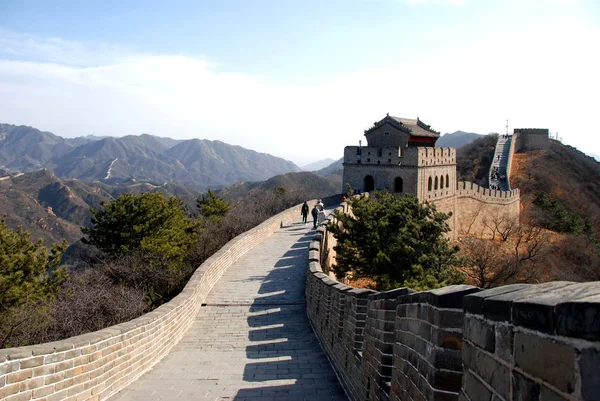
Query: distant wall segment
[95,365]
[519,342]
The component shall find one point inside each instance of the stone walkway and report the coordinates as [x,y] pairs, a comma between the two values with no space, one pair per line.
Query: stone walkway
[252,340]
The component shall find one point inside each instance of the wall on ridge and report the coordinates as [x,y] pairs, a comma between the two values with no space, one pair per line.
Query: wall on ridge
[478,208]
[95,365]
[518,342]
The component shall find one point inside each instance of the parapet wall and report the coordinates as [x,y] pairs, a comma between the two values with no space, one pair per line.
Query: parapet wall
[477,209]
[95,365]
[466,189]
[519,342]
[529,139]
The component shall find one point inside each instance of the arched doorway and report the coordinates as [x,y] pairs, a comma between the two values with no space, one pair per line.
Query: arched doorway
[398,184]
[369,184]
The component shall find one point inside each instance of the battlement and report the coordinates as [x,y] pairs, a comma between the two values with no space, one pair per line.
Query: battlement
[410,156]
[465,189]
[522,341]
[426,156]
[372,155]
[532,131]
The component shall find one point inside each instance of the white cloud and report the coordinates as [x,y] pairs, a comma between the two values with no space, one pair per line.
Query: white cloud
[542,76]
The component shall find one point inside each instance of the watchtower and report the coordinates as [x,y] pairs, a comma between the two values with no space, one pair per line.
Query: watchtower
[400,156]
[529,139]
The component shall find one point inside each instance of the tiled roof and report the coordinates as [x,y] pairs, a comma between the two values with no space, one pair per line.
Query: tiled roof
[408,125]
[418,127]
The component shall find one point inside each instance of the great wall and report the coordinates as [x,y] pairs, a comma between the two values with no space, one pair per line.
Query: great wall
[517,342]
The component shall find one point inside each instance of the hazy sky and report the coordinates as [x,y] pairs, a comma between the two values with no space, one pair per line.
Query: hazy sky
[300,79]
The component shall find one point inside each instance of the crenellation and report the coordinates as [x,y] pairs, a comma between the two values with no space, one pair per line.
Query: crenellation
[532,342]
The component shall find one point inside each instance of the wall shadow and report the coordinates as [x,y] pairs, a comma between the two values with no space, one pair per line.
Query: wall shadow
[287,360]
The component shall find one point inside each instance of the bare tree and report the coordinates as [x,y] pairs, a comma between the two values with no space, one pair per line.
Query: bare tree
[493,263]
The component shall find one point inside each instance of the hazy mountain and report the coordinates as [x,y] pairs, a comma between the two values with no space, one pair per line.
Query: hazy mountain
[334,168]
[53,209]
[195,163]
[307,183]
[318,165]
[595,156]
[26,148]
[456,139]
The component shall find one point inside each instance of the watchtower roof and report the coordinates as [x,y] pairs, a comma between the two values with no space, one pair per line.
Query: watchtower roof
[408,125]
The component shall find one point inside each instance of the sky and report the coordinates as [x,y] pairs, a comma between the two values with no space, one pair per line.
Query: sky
[300,79]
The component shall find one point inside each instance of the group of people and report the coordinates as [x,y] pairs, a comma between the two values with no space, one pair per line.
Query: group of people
[317,212]
[496,178]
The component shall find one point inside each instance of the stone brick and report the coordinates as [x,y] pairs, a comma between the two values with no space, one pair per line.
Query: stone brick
[32,362]
[579,318]
[499,307]
[474,388]
[474,303]
[538,312]
[504,342]
[589,368]
[549,360]
[480,333]
[547,394]
[524,389]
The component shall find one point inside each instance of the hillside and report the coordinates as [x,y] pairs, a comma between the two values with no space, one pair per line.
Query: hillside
[336,168]
[195,163]
[457,139]
[54,209]
[308,184]
[573,179]
[563,172]
[317,165]
[474,159]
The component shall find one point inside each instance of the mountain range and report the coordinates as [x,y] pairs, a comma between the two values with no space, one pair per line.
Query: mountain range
[195,163]
[456,139]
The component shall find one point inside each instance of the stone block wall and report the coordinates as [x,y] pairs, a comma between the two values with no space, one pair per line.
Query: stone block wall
[518,342]
[533,342]
[530,139]
[95,365]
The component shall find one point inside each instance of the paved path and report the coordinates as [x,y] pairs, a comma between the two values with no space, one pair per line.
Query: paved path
[252,341]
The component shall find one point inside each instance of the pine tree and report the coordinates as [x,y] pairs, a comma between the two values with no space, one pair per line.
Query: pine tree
[213,207]
[29,277]
[147,222]
[395,240]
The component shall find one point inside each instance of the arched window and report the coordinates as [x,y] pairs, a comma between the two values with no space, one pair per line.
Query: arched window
[442,181]
[436,183]
[398,184]
[369,183]
[429,184]
[447,181]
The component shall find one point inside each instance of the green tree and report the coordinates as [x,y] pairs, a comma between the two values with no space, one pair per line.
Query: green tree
[553,215]
[212,207]
[147,222]
[395,240]
[29,277]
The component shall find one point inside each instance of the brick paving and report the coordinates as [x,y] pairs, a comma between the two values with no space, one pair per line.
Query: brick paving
[252,341]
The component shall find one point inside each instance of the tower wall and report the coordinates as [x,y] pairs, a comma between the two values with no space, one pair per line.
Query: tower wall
[529,139]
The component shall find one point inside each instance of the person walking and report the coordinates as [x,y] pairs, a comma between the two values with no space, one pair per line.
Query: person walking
[304,212]
[315,215]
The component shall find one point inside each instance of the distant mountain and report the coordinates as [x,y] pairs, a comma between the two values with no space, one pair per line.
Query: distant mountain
[318,165]
[456,139]
[308,184]
[595,156]
[336,167]
[53,209]
[200,164]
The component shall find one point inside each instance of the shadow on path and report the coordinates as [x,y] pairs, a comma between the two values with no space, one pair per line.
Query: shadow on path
[283,347]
